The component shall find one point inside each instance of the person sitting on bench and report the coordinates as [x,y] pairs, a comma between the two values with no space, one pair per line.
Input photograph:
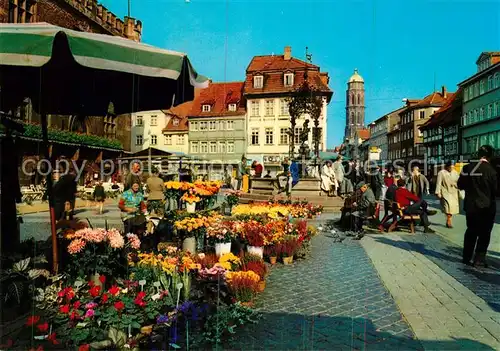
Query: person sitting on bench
[390,196]
[404,198]
[365,208]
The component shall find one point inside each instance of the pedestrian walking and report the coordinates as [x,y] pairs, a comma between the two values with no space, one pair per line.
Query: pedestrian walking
[447,192]
[156,195]
[338,170]
[418,183]
[99,197]
[479,180]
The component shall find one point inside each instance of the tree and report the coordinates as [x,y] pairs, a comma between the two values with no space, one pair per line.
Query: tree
[305,100]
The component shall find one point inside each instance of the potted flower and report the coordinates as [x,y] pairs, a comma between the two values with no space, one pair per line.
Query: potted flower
[232,199]
[191,200]
[243,285]
[288,250]
[220,233]
[270,251]
[258,267]
[255,235]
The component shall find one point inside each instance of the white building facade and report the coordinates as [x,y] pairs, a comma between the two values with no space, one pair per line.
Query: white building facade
[270,81]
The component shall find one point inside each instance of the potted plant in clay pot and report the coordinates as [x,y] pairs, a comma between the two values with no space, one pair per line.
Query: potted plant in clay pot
[288,250]
[270,251]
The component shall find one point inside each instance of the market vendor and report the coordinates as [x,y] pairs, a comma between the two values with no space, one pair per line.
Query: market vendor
[132,208]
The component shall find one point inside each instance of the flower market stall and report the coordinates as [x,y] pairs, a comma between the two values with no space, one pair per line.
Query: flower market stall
[194,290]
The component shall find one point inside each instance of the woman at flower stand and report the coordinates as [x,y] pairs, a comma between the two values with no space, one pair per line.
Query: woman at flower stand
[156,192]
[132,208]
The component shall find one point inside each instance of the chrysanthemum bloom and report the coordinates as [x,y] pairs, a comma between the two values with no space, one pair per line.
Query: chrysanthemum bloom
[76,246]
[134,241]
[116,240]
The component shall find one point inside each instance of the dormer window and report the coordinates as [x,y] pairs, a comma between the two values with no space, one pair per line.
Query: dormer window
[175,122]
[231,107]
[288,79]
[258,82]
[206,108]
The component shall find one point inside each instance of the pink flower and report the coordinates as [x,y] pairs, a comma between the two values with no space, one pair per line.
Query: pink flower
[90,305]
[89,313]
[92,235]
[134,241]
[76,246]
[116,240]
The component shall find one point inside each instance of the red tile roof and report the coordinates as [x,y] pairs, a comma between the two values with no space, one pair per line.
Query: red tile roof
[364,134]
[179,112]
[449,112]
[219,96]
[434,99]
[273,68]
[181,127]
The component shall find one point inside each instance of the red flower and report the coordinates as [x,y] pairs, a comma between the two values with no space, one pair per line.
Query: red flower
[77,305]
[74,315]
[85,347]
[64,309]
[62,293]
[102,279]
[43,327]
[114,290]
[104,298]
[119,306]
[91,283]
[94,291]
[70,293]
[52,339]
[32,320]
[141,295]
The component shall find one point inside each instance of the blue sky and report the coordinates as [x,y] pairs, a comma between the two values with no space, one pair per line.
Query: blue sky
[401,48]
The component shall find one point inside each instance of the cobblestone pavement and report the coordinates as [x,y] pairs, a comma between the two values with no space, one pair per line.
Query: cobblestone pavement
[435,303]
[333,300]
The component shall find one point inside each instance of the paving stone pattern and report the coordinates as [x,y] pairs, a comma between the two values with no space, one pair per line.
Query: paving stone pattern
[436,305]
[485,283]
[334,300]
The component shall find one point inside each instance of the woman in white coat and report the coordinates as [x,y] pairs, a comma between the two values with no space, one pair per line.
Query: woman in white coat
[447,191]
[328,181]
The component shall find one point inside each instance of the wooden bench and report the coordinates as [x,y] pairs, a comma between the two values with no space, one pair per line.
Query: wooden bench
[398,212]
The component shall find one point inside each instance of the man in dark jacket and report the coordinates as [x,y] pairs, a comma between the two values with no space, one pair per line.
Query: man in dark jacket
[365,207]
[64,191]
[479,181]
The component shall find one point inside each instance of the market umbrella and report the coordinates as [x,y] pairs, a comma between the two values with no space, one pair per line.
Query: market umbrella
[68,72]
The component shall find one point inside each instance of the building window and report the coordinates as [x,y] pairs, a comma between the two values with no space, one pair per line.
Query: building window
[175,122]
[422,114]
[269,107]
[496,83]
[194,126]
[194,147]
[284,136]
[481,114]
[297,133]
[476,89]
[213,147]
[490,83]
[206,108]
[139,121]
[204,147]
[222,147]
[419,133]
[154,120]
[283,107]
[138,139]
[180,140]
[490,110]
[496,109]
[168,140]
[466,94]
[269,136]
[258,82]
[230,147]
[475,116]
[203,126]
[230,125]
[22,11]
[481,87]
[255,108]
[212,125]
[154,140]
[411,133]
[231,107]
[255,136]
[288,79]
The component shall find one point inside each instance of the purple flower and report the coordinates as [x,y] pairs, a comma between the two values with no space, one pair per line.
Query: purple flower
[162,319]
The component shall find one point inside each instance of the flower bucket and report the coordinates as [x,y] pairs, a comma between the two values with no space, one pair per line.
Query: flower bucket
[222,248]
[288,260]
[262,286]
[189,244]
[273,259]
[256,250]
[191,208]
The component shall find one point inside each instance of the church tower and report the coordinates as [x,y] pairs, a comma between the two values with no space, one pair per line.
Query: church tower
[355,105]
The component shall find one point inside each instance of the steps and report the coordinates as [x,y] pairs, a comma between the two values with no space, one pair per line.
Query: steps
[330,204]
